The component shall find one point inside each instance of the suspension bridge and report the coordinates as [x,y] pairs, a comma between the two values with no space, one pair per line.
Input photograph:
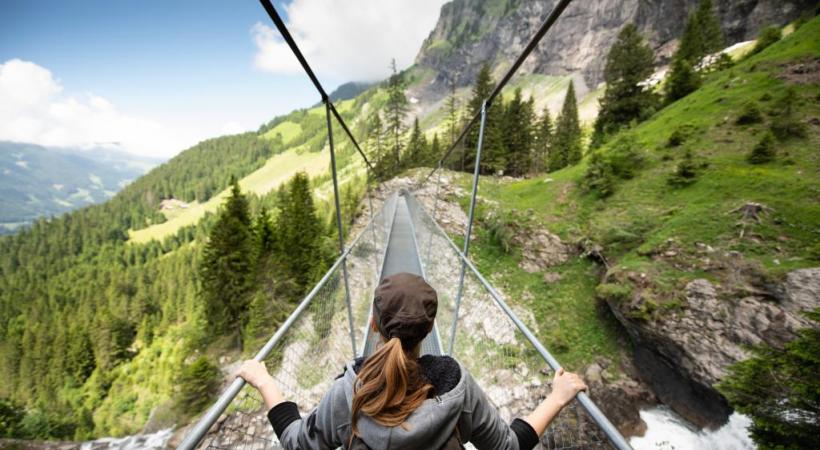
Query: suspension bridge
[474,323]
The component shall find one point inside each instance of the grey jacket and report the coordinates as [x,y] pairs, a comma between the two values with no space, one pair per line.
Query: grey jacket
[429,427]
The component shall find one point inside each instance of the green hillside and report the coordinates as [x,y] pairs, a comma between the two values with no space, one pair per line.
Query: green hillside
[101,309]
[651,226]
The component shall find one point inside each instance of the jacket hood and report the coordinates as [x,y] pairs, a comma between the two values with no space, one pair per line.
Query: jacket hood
[432,423]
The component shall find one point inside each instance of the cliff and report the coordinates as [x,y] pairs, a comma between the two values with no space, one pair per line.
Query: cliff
[470,33]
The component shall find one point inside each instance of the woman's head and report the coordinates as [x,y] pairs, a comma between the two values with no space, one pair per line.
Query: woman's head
[390,386]
[404,307]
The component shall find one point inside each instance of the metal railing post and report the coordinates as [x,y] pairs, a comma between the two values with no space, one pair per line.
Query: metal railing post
[205,423]
[339,225]
[435,210]
[615,437]
[469,223]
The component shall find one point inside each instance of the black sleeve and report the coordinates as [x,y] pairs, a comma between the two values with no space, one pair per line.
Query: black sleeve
[282,415]
[527,438]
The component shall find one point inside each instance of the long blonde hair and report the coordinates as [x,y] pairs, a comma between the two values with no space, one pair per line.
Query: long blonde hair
[390,386]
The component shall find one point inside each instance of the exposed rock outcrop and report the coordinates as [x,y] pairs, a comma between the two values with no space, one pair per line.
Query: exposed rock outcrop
[470,32]
[683,354]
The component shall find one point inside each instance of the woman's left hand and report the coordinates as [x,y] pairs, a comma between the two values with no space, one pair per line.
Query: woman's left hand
[255,373]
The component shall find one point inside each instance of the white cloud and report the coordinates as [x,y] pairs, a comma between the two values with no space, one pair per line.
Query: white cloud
[33,108]
[350,40]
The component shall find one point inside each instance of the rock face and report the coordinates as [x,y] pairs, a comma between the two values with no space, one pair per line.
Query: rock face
[684,354]
[471,32]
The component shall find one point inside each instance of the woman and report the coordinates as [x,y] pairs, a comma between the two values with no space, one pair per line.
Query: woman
[396,400]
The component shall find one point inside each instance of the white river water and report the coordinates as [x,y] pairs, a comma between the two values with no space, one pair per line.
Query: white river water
[668,431]
[153,441]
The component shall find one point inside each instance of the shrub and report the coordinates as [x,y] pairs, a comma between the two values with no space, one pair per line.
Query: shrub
[780,391]
[197,383]
[724,61]
[764,151]
[682,80]
[786,122]
[621,161]
[680,135]
[749,114]
[11,417]
[500,230]
[765,38]
[686,172]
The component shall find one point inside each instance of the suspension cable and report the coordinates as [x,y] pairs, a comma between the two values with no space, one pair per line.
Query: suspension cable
[280,25]
[536,38]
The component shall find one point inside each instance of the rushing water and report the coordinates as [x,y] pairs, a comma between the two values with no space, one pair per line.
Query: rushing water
[153,441]
[668,431]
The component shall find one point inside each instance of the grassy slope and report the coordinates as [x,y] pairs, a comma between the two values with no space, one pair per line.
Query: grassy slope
[276,171]
[645,212]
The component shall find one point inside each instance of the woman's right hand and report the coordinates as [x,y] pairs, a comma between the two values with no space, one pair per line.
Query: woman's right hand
[255,373]
[565,386]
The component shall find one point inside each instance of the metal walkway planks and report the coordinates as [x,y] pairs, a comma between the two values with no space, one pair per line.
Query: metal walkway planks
[402,256]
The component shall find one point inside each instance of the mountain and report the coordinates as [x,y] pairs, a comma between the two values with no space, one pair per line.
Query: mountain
[38,181]
[470,33]
[670,283]
[101,307]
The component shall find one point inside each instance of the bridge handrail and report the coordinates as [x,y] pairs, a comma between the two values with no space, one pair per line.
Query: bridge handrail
[591,408]
[195,435]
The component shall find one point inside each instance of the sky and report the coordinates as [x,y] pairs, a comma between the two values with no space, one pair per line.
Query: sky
[154,77]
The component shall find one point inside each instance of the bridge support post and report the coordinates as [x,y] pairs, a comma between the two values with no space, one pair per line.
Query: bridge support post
[435,210]
[469,224]
[339,226]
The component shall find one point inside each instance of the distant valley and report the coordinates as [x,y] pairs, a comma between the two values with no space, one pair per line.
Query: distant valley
[37,181]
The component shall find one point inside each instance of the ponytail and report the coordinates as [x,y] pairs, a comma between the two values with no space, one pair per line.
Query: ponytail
[390,387]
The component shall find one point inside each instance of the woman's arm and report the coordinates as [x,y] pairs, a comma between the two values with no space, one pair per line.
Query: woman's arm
[565,386]
[255,373]
[322,429]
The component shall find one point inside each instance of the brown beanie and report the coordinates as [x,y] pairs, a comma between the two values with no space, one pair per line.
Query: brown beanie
[405,307]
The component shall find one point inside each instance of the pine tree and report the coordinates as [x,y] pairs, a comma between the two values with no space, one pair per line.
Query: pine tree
[702,34]
[493,150]
[543,141]
[691,43]
[417,147]
[264,233]
[709,25]
[397,107]
[517,129]
[301,233]
[682,80]
[435,151]
[481,90]
[778,388]
[226,268]
[197,383]
[452,114]
[375,141]
[764,151]
[566,143]
[629,62]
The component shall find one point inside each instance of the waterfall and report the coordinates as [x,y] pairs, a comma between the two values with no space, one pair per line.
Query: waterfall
[668,431]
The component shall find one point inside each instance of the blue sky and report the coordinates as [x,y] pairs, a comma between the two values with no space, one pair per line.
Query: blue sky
[180,71]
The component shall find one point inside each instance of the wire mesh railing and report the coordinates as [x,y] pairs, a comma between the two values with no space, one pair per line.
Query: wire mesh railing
[496,343]
[308,351]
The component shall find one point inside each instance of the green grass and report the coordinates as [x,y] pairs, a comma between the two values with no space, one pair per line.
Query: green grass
[646,216]
[276,171]
[287,129]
